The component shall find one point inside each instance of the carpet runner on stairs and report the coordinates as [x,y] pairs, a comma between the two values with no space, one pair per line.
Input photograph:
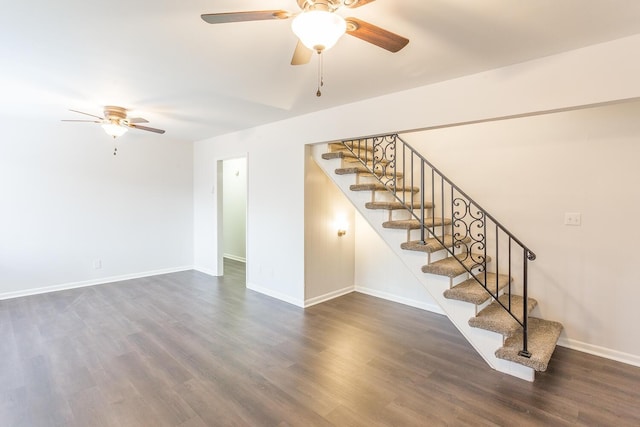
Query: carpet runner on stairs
[454,266]
[432,245]
[378,186]
[494,318]
[542,338]
[397,205]
[473,292]
[414,224]
[363,170]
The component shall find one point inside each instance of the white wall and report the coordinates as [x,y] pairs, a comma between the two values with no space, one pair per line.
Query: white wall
[528,172]
[598,74]
[329,258]
[379,271]
[66,202]
[234,208]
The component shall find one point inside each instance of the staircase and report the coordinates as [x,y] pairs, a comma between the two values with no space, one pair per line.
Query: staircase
[419,212]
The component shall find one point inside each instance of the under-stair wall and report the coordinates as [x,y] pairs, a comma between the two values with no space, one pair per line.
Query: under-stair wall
[380,273]
[329,258]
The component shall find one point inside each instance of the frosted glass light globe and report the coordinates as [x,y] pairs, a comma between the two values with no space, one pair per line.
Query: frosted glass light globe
[319,29]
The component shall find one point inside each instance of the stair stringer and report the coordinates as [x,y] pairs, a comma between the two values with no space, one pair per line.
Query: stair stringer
[483,341]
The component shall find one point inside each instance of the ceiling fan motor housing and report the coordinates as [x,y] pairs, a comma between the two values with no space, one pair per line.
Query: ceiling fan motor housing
[325,5]
[112,113]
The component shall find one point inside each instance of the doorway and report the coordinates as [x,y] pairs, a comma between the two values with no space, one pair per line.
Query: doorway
[232,214]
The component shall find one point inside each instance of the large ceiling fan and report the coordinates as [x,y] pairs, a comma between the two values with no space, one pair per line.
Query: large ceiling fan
[115,121]
[318,27]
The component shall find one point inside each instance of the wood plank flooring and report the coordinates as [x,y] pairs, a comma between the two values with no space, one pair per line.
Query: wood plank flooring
[186,349]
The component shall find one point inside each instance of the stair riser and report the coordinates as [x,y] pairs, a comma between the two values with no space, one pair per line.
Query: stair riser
[382,196]
[368,179]
[400,215]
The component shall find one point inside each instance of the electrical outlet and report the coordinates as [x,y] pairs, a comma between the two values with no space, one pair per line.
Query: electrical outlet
[97,264]
[572,218]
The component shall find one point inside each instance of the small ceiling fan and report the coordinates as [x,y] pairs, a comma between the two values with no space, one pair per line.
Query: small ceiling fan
[318,27]
[115,121]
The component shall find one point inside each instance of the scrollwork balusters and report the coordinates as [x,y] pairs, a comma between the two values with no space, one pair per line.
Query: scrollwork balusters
[468,232]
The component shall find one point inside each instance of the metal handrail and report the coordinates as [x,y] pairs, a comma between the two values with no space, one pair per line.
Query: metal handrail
[380,155]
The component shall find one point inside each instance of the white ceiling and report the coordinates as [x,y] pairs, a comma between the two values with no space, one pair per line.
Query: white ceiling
[196,80]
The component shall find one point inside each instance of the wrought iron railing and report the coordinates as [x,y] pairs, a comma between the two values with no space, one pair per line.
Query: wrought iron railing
[475,234]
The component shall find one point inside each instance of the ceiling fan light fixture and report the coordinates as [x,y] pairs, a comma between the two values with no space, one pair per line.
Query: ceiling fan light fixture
[114,129]
[319,30]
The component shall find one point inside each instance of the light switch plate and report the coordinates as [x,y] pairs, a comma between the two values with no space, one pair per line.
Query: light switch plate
[572,218]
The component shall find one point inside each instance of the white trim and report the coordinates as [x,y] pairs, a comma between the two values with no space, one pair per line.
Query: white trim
[607,353]
[92,282]
[206,271]
[234,257]
[433,308]
[273,294]
[328,296]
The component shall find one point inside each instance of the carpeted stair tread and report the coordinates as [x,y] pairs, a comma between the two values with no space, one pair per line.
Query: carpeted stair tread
[430,245]
[333,155]
[414,224]
[473,292]
[350,161]
[338,146]
[542,339]
[396,205]
[451,267]
[355,159]
[362,170]
[377,186]
[349,157]
[495,318]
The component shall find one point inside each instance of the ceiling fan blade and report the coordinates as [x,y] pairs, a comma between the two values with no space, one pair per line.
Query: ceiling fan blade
[87,114]
[352,4]
[138,120]
[88,121]
[302,54]
[131,125]
[375,35]
[255,15]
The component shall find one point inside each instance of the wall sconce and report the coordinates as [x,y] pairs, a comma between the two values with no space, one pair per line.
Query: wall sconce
[342,225]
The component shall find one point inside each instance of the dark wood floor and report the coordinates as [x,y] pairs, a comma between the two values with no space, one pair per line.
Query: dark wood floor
[186,349]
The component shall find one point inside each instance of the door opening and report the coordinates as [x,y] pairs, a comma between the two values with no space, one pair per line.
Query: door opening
[232,214]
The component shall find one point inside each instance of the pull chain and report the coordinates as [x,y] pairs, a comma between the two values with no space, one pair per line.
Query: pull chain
[115,148]
[320,73]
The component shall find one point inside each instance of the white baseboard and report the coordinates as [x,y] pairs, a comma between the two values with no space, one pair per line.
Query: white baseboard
[206,270]
[273,294]
[235,258]
[92,282]
[607,353]
[433,308]
[328,296]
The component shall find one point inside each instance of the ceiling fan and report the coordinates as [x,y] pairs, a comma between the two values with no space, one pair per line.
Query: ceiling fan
[115,121]
[318,27]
